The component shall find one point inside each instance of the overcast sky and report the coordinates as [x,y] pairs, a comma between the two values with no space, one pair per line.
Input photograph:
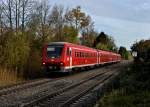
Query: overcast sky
[125,20]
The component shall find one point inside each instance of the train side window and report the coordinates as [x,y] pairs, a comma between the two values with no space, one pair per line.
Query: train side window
[75,54]
[80,54]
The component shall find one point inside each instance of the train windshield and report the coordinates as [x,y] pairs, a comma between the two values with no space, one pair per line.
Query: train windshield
[54,51]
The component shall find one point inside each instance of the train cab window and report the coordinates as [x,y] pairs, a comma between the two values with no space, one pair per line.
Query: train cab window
[54,51]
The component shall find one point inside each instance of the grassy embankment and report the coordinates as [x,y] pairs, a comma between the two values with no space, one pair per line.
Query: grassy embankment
[9,77]
[133,89]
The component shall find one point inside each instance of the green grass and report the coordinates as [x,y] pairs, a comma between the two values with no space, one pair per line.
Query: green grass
[121,98]
[133,89]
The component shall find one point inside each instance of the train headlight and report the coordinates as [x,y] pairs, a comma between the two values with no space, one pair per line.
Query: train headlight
[43,63]
[61,63]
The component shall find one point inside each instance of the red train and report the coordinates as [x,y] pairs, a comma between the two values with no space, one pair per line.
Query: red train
[64,57]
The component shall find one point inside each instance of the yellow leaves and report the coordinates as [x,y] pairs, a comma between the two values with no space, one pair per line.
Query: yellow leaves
[78,18]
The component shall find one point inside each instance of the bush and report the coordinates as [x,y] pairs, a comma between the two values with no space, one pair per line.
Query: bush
[16,51]
[33,67]
[133,89]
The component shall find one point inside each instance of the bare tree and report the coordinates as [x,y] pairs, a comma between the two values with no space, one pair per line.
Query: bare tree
[42,11]
[7,10]
[26,7]
[1,20]
[56,20]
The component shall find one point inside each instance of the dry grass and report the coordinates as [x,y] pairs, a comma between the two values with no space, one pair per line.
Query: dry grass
[9,77]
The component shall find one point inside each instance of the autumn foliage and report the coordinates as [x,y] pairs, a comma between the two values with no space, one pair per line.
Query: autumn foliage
[26,25]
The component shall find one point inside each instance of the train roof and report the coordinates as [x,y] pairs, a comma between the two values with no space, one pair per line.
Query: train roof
[58,43]
[62,43]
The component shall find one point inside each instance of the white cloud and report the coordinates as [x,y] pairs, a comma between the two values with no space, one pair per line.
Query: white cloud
[125,20]
[124,32]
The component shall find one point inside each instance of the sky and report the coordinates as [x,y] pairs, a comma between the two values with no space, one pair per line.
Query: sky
[126,21]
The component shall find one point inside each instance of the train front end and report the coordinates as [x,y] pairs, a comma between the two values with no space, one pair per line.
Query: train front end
[52,58]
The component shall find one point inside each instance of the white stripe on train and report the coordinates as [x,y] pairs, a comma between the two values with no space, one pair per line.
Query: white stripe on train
[69,67]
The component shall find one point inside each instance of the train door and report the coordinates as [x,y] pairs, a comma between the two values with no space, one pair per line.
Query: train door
[97,56]
[70,57]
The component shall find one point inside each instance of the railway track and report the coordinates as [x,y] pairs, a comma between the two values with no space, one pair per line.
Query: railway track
[25,85]
[58,92]
[65,97]
[62,92]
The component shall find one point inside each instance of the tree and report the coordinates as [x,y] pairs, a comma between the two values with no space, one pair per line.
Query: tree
[16,13]
[77,18]
[1,21]
[16,50]
[123,52]
[105,42]
[7,7]
[70,34]
[56,21]
[142,48]
[26,7]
